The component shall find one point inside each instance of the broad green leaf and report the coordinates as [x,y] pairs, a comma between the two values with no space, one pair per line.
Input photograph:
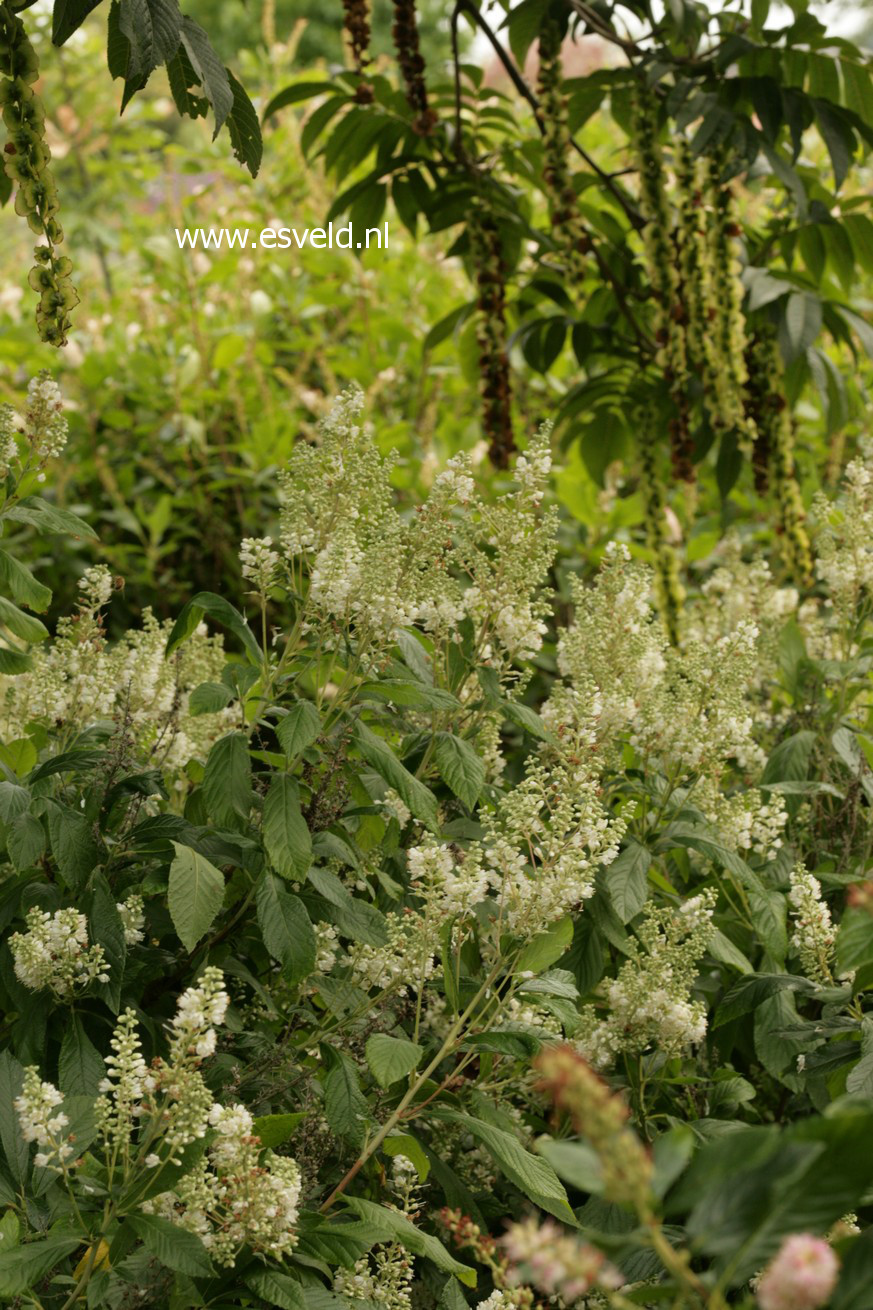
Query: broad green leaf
[219,609]
[227,780]
[532,1175]
[345,1107]
[25,1267]
[244,128]
[286,835]
[576,1162]
[286,930]
[21,625]
[73,846]
[48,518]
[22,585]
[107,930]
[419,799]
[194,895]
[854,940]
[274,1129]
[173,1246]
[25,841]
[209,698]
[749,991]
[542,951]
[769,915]
[68,16]
[80,1065]
[14,800]
[404,1144]
[298,728]
[15,1148]
[153,28]
[401,1229]
[391,1058]
[212,74]
[460,767]
[627,881]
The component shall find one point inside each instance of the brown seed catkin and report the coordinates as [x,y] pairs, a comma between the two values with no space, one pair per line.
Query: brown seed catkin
[495,385]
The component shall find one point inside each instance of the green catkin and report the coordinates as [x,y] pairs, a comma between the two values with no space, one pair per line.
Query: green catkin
[411,63]
[659,241]
[26,158]
[566,220]
[494,372]
[669,592]
[775,445]
[357,24]
[725,343]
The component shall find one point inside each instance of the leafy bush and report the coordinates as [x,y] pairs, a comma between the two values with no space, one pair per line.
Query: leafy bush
[409,907]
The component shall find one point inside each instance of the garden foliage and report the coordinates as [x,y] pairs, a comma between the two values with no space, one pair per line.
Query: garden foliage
[401,906]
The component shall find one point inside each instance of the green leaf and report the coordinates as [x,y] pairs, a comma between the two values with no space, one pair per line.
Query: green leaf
[460,767]
[173,1246]
[244,128]
[286,929]
[22,585]
[274,1129]
[854,941]
[769,917]
[194,895]
[277,1289]
[293,95]
[750,990]
[73,846]
[344,1105]
[80,1065]
[721,948]
[355,918]
[298,728]
[404,1144]
[856,1275]
[14,800]
[576,1162]
[398,1227]
[627,880]
[286,836]
[68,17]
[20,624]
[212,74]
[542,951]
[107,930]
[419,799]
[391,1058]
[227,780]
[219,609]
[48,518]
[153,28]
[408,692]
[24,1267]
[15,1148]
[209,698]
[530,1174]
[25,841]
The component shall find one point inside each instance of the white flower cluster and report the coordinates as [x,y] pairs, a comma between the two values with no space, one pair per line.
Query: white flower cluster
[648,1004]
[132,919]
[42,1122]
[406,960]
[95,587]
[78,680]
[9,427]
[259,562]
[450,883]
[844,540]
[383,1278]
[813,935]
[373,571]
[45,428]
[54,953]
[746,820]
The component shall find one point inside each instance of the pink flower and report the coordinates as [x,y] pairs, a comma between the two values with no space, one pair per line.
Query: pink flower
[801,1276]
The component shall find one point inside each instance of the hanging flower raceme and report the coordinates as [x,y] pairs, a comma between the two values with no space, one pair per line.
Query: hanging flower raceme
[54,953]
[491,335]
[357,24]
[26,158]
[412,66]
[568,229]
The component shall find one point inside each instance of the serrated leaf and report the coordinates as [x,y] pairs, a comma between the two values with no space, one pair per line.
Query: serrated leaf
[22,585]
[21,625]
[219,609]
[286,836]
[391,1058]
[73,846]
[173,1246]
[274,1129]
[153,28]
[80,1065]
[286,929]
[627,880]
[194,896]
[397,1226]
[345,1106]
[460,767]
[298,728]
[244,128]
[751,990]
[541,952]
[211,72]
[25,841]
[227,780]
[48,518]
[209,698]
[854,941]
[15,1148]
[531,1174]
[419,799]
[24,1267]
[68,16]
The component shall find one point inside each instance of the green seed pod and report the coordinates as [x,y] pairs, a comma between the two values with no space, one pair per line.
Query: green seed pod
[669,592]
[26,158]
[495,386]
[567,226]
